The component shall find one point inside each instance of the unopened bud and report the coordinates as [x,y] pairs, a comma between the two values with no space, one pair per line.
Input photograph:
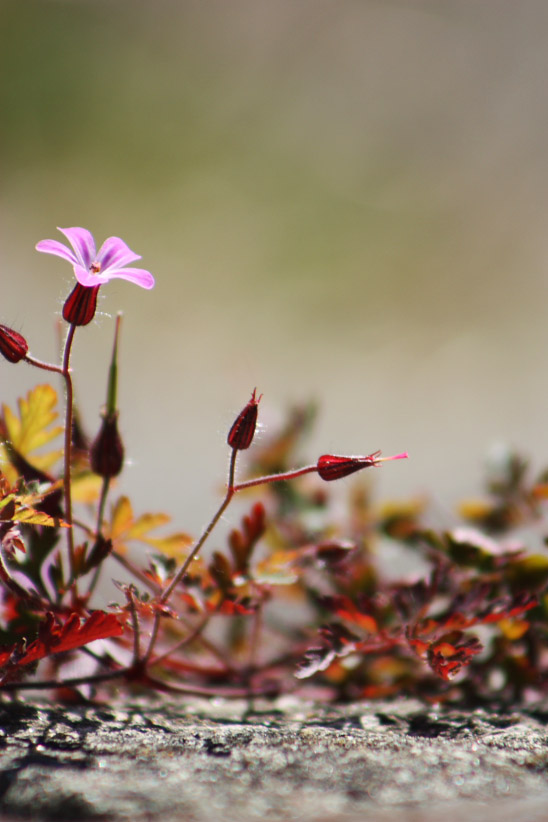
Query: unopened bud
[242,432]
[107,451]
[81,304]
[13,346]
[332,467]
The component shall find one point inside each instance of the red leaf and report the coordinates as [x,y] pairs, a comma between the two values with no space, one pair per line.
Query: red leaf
[242,542]
[451,652]
[344,608]
[54,638]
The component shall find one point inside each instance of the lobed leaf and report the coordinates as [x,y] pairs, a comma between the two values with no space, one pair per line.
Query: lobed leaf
[54,638]
[125,528]
[31,429]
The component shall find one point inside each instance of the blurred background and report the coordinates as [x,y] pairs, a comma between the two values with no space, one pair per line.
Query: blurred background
[341,200]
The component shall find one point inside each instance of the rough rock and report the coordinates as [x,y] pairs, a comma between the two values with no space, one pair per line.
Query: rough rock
[287,760]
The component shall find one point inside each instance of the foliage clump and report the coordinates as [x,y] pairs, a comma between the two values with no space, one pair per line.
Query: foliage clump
[297,599]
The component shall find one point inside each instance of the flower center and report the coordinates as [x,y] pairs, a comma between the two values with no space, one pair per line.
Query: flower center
[95,267]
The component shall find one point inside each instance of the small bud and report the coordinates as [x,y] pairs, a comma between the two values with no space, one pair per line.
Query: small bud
[107,451]
[331,467]
[13,346]
[81,304]
[242,432]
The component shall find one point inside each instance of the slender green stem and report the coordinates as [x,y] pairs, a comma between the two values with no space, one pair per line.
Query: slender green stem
[67,487]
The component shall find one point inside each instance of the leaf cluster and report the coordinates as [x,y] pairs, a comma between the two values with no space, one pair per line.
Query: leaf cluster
[294,598]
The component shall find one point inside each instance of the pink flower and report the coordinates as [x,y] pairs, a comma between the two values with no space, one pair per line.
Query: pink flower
[94,268]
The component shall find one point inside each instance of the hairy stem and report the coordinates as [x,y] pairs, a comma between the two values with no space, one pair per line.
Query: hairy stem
[46,366]
[288,475]
[231,488]
[184,567]
[67,488]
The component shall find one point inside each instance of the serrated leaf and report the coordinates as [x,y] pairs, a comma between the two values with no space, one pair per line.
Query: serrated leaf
[54,638]
[30,516]
[31,429]
[125,528]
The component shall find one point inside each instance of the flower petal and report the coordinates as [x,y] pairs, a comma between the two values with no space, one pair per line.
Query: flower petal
[60,250]
[135,275]
[83,244]
[114,253]
[86,278]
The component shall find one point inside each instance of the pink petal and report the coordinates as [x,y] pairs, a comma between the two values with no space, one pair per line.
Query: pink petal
[83,244]
[60,250]
[135,275]
[86,278]
[114,253]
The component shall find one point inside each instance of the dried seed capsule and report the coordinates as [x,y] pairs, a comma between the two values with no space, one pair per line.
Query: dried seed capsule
[13,346]
[242,432]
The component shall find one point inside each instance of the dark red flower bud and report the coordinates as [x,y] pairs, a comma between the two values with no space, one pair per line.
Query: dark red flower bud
[331,467]
[242,432]
[81,304]
[13,346]
[107,451]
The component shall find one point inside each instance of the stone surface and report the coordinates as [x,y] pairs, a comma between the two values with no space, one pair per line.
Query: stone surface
[287,760]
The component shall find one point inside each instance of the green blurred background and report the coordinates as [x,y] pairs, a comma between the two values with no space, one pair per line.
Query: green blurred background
[340,199]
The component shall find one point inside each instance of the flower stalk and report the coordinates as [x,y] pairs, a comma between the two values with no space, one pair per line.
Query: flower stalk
[67,480]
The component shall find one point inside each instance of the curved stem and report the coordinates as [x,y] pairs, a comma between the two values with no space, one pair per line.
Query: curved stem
[46,366]
[288,475]
[184,567]
[231,488]
[68,447]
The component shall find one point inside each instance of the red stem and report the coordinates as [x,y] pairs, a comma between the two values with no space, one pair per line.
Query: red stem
[68,450]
